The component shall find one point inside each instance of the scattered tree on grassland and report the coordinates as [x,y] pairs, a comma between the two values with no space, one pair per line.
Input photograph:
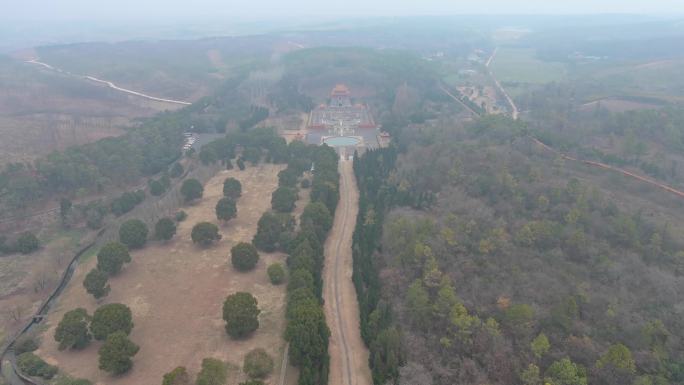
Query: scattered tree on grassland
[165,229]
[226,209]
[288,177]
[27,243]
[33,365]
[72,331]
[95,283]
[116,353]
[111,318]
[214,372]
[191,189]
[258,364]
[181,216]
[111,258]
[232,188]
[276,273]
[241,314]
[178,376]
[283,199]
[270,229]
[205,233]
[133,233]
[244,256]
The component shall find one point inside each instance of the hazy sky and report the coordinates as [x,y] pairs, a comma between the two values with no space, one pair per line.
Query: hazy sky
[259,9]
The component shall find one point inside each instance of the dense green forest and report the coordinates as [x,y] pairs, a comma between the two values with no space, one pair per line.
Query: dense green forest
[501,264]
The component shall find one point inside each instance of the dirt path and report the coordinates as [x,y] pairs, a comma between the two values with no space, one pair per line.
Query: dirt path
[111,85]
[348,354]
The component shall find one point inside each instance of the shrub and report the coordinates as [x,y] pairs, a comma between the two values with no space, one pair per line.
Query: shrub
[232,188]
[116,352]
[258,364]
[165,229]
[226,209]
[241,164]
[133,233]
[111,258]
[72,331]
[305,183]
[178,376]
[25,344]
[205,233]
[111,318]
[276,273]
[244,256]
[72,381]
[241,314]
[191,189]
[214,372]
[181,216]
[95,283]
[33,365]
[27,243]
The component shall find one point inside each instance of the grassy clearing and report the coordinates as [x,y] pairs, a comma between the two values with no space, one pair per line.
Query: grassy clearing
[516,65]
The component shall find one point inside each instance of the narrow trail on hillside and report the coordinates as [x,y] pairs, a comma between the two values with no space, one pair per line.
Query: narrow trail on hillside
[604,166]
[110,84]
[348,353]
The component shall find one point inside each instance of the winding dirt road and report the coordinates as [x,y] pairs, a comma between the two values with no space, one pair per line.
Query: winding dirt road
[348,354]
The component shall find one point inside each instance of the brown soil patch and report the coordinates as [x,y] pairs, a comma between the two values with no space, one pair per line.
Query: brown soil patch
[348,354]
[176,292]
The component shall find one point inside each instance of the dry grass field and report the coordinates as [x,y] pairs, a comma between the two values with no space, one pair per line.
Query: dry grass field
[176,292]
[25,280]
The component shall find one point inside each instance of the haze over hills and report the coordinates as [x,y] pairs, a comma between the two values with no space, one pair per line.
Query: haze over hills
[356,195]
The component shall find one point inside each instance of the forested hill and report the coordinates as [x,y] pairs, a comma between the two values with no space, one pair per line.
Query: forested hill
[501,264]
[147,148]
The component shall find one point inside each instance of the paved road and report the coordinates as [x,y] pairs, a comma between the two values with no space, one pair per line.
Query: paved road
[348,354]
[514,108]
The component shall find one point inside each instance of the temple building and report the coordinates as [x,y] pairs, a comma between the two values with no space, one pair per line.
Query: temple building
[340,115]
